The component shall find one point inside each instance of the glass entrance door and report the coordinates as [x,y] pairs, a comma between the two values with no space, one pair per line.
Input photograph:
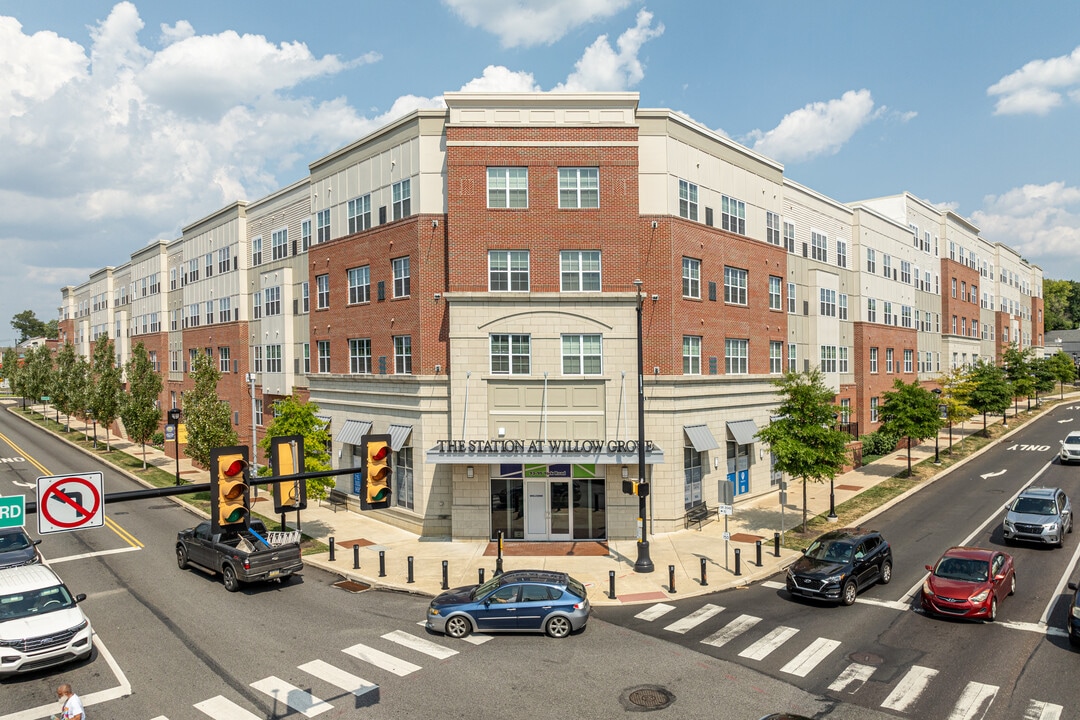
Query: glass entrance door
[559,518]
[536,509]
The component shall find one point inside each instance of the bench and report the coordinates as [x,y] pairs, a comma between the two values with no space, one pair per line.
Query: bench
[700,514]
[337,499]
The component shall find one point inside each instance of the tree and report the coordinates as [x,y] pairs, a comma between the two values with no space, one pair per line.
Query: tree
[1056,295]
[803,438]
[66,392]
[910,411]
[1061,366]
[83,387]
[107,386]
[208,418]
[29,326]
[140,411]
[956,388]
[37,374]
[295,418]
[1043,376]
[1018,371]
[11,369]
[990,389]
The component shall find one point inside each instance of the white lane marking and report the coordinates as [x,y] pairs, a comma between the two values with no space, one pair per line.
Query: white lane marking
[399,667]
[292,696]
[974,701]
[890,604]
[336,676]
[732,630]
[55,561]
[774,585]
[910,687]
[1059,591]
[761,649]
[807,660]
[694,619]
[654,611]
[855,673]
[221,708]
[420,644]
[1038,710]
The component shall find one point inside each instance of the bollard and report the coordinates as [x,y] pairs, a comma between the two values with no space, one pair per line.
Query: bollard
[611,584]
[382,563]
[738,561]
[481,576]
[410,570]
[445,575]
[671,578]
[758,548]
[331,548]
[356,557]
[776,544]
[498,558]
[704,579]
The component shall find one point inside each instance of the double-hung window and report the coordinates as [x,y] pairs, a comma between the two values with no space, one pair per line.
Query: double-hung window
[843,353]
[736,356]
[732,215]
[873,360]
[322,292]
[819,246]
[402,286]
[888,360]
[776,357]
[273,358]
[305,235]
[359,211]
[691,355]
[909,360]
[688,203]
[507,187]
[580,270]
[691,278]
[224,260]
[888,313]
[322,227]
[791,298]
[279,244]
[256,306]
[905,272]
[871,260]
[582,355]
[792,359]
[842,305]
[305,296]
[402,193]
[510,354]
[841,254]
[871,310]
[775,299]
[324,356]
[828,358]
[360,356]
[359,284]
[579,188]
[224,354]
[256,255]
[508,270]
[772,228]
[224,309]
[828,302]
[257,358]
[272,301]
[734,285]
[789,236]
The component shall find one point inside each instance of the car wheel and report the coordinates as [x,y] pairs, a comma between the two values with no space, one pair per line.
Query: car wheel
[557,627]
[849,593]
[886,572]
[1074,641]
[458,626]
[1012,584]
[181,557]
[228,575]
[993,610]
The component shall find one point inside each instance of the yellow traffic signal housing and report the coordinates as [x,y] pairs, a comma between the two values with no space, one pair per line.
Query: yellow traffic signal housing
[287,458]
[375,452]
[229,498]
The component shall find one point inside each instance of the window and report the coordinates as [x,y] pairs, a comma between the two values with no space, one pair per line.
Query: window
[954,287]
[886,265]
[775,300]
[360,356]
[403,478]
[225,310]
[209,314]
[403,354]
[845,410]
[508,270]
[256,305]
[789,236]
[733,215]
[224,260]
[953,324]
[305,235]
[841,254]
[507,187]
[691,477]
[510,354]
[272,297]
[691,355]
[776,357]
[873,409]
[323,347]
[905,316]
[791,363]
[402,286]
[322,291]
[223,359]
[273,358]
[279,244]
[256,356]
[691,278]
[772,228]
[843,306]
[828,358]
[359,285]
[172,286]
[307,358]
[819,246]
[155,287]
[791,298]
[888,313]
[322,227]
[579,187]
[688,200]
[843,355]
[888,360]
[736,357]
[580,270]
[734,286]
[402,199]
[305,296]
[258,411]
[581,355]
[359,213]
[908,360]
[256,255]
[828,302]
[905,272]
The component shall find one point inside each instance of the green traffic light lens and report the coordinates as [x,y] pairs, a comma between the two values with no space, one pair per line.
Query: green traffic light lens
[381,495]
[235,515]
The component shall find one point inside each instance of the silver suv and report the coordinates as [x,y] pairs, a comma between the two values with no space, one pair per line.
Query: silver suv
[1039,514]
[1070,448]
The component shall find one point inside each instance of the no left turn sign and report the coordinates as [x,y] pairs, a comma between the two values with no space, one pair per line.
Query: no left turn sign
[70,502]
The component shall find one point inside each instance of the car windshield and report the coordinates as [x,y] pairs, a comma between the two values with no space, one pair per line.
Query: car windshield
[830,551]
[952,568]
[1034,506]
[14,541]
[1072,440]
[485,589]
[35,602]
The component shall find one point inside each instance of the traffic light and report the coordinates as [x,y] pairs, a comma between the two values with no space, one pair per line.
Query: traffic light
[229,499]
[375,452]
[641,489]
[287,458]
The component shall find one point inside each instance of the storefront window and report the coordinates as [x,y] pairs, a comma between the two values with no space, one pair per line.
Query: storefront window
[692,475]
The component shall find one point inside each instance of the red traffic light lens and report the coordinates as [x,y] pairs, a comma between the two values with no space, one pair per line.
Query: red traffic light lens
[381,453]
[235,468]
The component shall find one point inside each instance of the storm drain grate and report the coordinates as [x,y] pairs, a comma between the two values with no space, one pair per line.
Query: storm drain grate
[352,586]
[647,697]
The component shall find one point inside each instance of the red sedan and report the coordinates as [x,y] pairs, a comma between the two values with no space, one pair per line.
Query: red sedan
[968,582]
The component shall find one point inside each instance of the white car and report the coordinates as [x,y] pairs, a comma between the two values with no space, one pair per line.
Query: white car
[1070,448]
[41,624]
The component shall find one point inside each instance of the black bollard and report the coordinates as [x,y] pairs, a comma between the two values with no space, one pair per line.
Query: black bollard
[704,578]
[410,570]
[611,584]
[445,575]
[776,544]
[356,557]
[498,557]
[758,548]
[382,563]
[331,548]
[481,575]
[738,561]
[671,578]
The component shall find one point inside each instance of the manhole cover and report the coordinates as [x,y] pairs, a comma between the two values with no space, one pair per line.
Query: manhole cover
[864,658]
[646,697]
[352,586]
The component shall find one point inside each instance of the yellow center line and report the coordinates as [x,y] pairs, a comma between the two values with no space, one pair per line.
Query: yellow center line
[109,522]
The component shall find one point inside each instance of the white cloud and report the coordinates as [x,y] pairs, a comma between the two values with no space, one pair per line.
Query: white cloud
[602,68]
[1037,87]
[1042,222]
[532,22]
[56,62]
[820,128]
[497,78]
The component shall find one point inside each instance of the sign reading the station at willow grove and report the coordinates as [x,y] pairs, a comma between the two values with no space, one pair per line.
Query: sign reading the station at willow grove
[538,447]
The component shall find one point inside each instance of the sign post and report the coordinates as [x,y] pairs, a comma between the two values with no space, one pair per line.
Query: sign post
[70,502]
[174,422]
[12,511]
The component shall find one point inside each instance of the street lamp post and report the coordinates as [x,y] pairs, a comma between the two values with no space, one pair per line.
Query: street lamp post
[937,433]
[251,377]
[644,563]
[831,517]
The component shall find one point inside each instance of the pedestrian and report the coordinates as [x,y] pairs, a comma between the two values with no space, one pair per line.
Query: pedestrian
[72,708]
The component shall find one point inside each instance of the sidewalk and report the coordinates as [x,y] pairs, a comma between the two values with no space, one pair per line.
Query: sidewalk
[678,554]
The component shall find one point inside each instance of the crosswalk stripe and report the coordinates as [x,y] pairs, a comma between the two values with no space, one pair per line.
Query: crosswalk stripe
[420,644]
[477,638]
[974,701]
[855,673]
[807,660]
[761,649]
[1038,710]
[773,585]
[694,619]
[292,696]
[221,708]
[338,677]
[909,688]
[399,667]
[732,630]
[654,611]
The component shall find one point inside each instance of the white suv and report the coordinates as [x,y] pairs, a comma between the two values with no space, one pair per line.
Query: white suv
[1070,448]
[40,623]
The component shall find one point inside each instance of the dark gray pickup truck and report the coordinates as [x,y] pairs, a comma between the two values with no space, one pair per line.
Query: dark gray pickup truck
[240,556]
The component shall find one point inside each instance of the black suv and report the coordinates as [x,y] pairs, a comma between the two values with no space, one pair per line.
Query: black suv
[839,564]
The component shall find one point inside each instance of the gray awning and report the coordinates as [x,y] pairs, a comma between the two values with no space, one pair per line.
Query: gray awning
[701,437]
[353,432]
[398,435]
[743,431]
[325,418]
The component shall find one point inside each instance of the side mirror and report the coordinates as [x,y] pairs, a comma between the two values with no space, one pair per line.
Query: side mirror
[36,542]
[998,578]
[1072,586]
[929,567]
[80,597]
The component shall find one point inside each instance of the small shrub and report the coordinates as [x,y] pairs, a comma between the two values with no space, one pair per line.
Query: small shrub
[158,439]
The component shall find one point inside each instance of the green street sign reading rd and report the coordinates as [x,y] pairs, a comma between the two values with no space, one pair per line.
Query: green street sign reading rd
[12,511]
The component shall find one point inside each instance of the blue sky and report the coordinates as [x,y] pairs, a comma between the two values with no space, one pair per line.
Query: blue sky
[120,122]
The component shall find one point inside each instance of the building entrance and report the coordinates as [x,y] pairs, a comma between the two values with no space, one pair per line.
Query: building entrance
[548,503]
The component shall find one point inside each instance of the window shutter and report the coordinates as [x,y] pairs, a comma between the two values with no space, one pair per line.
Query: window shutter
[712,291]
[382,215]
[295,306]
[804,252]
[712,366]
[708,216]
[382,364]
[236,366]
[381,290]
[236,418]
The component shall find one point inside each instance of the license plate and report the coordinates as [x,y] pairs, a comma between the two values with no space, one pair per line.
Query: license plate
[273,573]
